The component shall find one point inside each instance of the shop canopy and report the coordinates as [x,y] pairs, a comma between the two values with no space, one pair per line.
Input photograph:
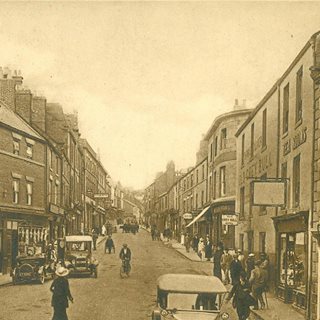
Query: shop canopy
[198,216]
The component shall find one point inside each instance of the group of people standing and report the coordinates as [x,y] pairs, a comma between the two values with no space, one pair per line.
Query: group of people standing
[248,276]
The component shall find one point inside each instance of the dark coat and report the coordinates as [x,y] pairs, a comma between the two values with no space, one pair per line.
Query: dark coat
[109,243]
[123,255]
[217,263]
[61,292]
[242,300]
[235,270]
[208,249]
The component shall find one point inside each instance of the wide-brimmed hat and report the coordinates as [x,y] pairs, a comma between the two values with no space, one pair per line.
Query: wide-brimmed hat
[62,272]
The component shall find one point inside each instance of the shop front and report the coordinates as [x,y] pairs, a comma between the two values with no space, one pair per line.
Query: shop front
[21,235]
[292,258]
[224,220]
[201,224]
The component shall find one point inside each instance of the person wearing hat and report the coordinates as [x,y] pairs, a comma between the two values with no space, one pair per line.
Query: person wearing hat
[250,264]
[61,294]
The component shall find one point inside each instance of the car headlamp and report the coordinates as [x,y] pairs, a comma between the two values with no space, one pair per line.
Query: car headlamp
[164,313]
[225,315]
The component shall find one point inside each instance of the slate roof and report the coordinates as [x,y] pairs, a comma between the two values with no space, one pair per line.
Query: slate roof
[11,119]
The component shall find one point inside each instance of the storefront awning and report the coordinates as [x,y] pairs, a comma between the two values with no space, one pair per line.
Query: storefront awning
[198,216]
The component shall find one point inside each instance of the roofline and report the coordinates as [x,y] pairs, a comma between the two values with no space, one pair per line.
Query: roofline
[278,82]
[216,122]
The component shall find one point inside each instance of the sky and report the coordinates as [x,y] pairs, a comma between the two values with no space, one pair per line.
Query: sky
[148,78]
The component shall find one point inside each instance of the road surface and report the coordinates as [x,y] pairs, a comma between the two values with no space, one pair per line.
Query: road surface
[108,296]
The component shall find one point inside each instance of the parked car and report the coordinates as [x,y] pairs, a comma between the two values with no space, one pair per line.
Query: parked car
[78,256]
[187,296]
[32,268]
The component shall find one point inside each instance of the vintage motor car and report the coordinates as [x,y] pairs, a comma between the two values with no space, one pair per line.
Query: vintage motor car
[78,255]
[32,268]
[189,297]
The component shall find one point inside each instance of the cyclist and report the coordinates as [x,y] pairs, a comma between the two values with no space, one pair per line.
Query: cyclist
[125,255]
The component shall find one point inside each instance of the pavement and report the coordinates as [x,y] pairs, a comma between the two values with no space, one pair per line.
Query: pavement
[277,310]
[5,279]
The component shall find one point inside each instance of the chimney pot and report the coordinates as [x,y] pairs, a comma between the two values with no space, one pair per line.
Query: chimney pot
[236,102]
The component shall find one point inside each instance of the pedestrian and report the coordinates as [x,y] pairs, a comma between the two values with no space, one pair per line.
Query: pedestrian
[250,264]
[217,261]
[241,258]
[235,269]
[195,242]
[103,230]
[187,242]
[242,300]
[61,294]
[201,248]
[258,281]
[94,238]
[225,265]
[208,248]
[109,245]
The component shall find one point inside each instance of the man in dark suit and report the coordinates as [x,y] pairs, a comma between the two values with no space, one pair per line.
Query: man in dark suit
[235,269]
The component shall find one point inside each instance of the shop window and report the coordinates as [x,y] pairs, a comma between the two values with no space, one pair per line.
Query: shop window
[262,242]
[15,185]
[293,261]
[285,119]
[296,181]
[299,95]
[29,193]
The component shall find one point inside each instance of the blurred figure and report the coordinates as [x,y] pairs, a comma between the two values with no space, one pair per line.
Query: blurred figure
[225,265]
[217,255]
[208,248]
[235,269]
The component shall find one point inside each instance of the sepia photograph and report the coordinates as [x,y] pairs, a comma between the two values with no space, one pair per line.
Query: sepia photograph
[160,160]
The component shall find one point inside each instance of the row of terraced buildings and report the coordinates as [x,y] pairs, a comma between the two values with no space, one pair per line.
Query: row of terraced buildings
[278,140]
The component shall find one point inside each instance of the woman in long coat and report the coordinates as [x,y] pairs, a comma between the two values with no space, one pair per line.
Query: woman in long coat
[61,294]
[208,248]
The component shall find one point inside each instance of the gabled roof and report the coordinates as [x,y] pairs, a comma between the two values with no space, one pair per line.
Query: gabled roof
[14,121]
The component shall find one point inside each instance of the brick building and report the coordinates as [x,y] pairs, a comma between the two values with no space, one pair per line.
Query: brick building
[23,220]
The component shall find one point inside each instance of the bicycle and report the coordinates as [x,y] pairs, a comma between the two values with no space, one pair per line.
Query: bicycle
[125,268]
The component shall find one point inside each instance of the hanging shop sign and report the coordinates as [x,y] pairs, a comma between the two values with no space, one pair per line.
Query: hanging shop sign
[229,219]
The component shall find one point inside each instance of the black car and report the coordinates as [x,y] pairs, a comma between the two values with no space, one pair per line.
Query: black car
[31,268]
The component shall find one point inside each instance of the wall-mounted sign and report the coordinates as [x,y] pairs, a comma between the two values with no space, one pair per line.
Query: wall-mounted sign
[229,219]
[187,216]
[297,140]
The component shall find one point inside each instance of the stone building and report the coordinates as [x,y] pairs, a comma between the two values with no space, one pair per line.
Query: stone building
[221,175]
[276,144]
